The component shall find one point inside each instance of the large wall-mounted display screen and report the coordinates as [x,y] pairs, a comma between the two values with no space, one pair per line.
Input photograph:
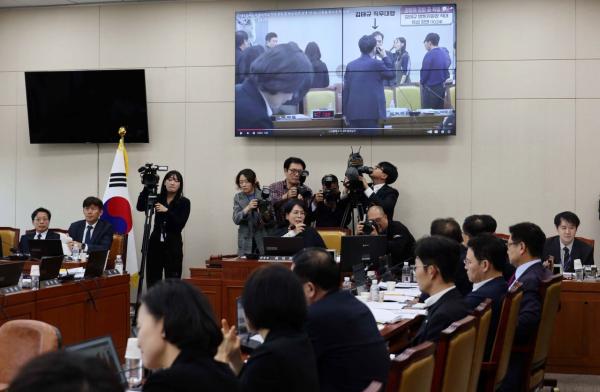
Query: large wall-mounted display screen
[368,71]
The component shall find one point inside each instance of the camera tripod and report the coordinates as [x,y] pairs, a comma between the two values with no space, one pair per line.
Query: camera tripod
[354,210]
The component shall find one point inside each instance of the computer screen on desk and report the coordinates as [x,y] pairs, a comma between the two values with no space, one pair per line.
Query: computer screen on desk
[102,348]
[283,246]
[10,272]
[43,248]
[361,249]
[370,71]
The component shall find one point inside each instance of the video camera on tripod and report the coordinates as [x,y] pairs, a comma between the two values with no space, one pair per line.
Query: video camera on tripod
[355,170]
[149,176]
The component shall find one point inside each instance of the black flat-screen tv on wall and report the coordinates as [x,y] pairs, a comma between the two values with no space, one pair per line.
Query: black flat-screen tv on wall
[370,71]
[86,106]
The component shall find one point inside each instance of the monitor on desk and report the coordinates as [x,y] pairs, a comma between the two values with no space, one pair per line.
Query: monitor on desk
[365,249]
[102,348]
[10,273]
[96,264]
[43,248]
[283,246]
[50,267]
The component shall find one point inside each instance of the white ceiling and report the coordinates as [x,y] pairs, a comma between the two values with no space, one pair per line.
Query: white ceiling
[44,3]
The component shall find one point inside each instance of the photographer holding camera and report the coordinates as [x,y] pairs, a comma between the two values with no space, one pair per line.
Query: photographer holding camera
[327,209]
[292,187]
[252,212]
[379,192]
[400,244]
[172,210]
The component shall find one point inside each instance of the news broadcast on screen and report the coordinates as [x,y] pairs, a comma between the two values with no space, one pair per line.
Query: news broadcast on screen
[365,71]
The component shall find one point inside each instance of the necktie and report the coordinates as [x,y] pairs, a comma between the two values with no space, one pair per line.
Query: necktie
[39,236]
[511,280]
[567,262]
[88,234]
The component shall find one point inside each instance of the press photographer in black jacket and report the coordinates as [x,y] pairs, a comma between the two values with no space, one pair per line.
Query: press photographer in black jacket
[165,250]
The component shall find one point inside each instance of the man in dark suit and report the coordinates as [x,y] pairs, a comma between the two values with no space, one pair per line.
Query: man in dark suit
[525,247]
[564,247]
[349,348]
[41,221]
[380,192]
[92,233]
[449,228]
[486,256]
[436,261]
[241,43]
[400,242]
[363,98]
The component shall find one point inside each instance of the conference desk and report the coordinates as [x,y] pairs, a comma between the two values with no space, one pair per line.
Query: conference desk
[222,282]
[81,310]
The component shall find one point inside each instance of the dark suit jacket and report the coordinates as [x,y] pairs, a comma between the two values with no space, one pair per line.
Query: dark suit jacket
[349,348]
[193,371]
[580,250]
[24,241]
[495,290]
[363,96]
[531,304]
[401,243]
[102,235]
[385,197]
[284,362]
[448,309]
[461,280]
[250,107]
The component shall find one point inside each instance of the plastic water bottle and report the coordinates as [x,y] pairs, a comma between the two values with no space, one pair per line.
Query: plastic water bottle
[75,252]
[406,273]
[35,277]
[134,370]
[347,285]
[119,264]
[374,291]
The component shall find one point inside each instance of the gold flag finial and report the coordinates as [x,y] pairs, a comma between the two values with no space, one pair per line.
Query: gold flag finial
[122,132]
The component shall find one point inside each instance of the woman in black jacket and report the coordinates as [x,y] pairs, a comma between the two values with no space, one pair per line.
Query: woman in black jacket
[321,73]
[275,307]
[179,337]
[295,214]
[165,250]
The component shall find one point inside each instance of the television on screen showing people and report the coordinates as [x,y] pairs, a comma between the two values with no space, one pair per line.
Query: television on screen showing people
[525,248]
[41,222]
[564,248]
[278,75]
[485,261]
[434,73]
[172,210]
[363,99]
[178,337]
[275,308]
[295,214]
[251,213]
[349,348]
[63,371]
[449,228]
[435,264]
[92,233]
[400,242]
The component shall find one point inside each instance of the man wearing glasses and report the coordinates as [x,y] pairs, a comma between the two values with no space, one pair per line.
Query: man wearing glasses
[282,191]
[400,242]
[380,192]
[41,221]
[435,265]
[525,247]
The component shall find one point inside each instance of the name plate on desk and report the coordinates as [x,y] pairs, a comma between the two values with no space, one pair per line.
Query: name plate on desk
[275,258]
[10,290]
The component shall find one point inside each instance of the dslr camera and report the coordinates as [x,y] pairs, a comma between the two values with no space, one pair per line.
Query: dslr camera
[265,200]
[369,226]
[303,189]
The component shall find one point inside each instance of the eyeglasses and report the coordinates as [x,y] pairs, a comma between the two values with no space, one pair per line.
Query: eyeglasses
[41,220]
[295,171]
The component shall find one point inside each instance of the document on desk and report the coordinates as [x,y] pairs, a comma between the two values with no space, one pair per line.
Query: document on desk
[387,313]
[402,295]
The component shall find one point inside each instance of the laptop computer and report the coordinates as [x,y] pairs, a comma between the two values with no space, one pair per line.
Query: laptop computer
[96,263]
[102,348]
[42,248]
[50,267]
[248,341]
[283,246]
[10,273]
[366,249]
